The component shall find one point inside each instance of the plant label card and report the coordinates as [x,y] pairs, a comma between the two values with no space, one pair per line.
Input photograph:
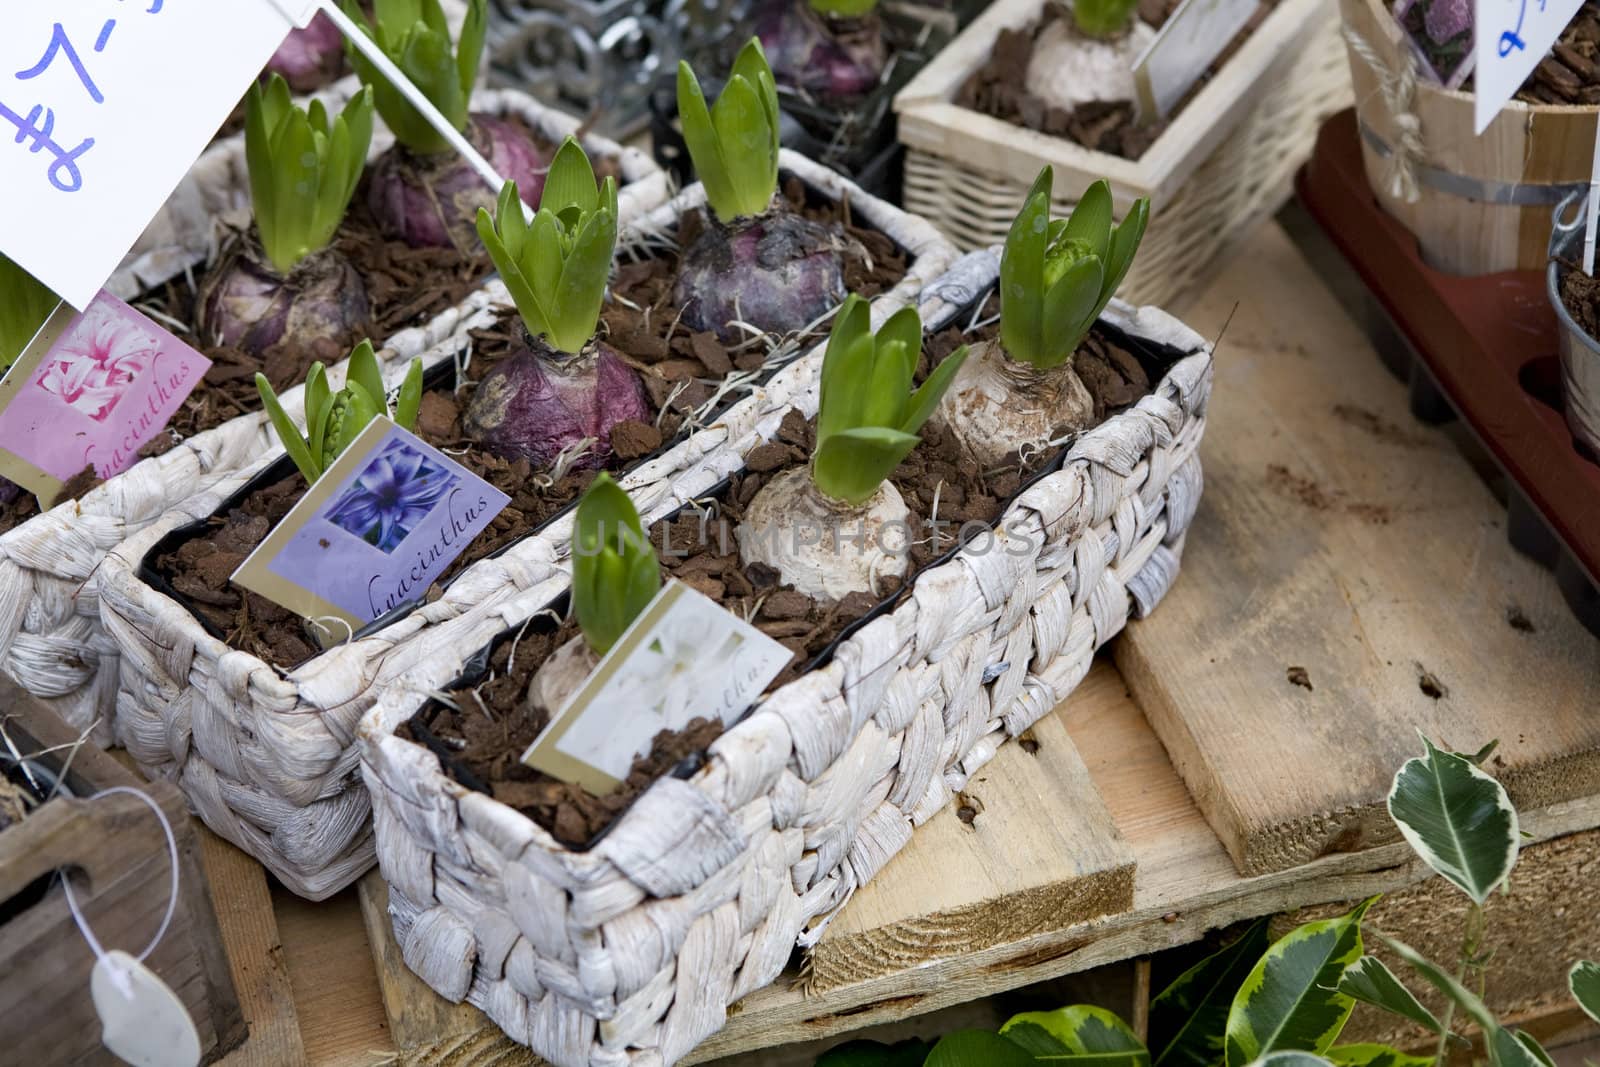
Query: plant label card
[90,390]
[1439,34]
[104,104]
[1513,37]
[685,657]
[1188,43]
[375,531]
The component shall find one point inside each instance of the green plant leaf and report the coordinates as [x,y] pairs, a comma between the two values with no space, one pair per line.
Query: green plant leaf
[875,1054]
[1584,981]
[1375,1056]
[1189,1017]
[700,137]
[319,399]
[734,142]
[365,372]
[1509,1048]
[1103,18]
[1125,241]
[926,399]
[469,46]
[416,38]
[287,431]
[1457,818]
[1069,311]
[615,573]
[1089,1036]
[1534,1049]
[1370,981]
[570,182]
[1444,982]
[1288,1001]
[740,120]
[978,1048]
[24,306]
[751,64]
[582,289]
[1022,275]
[1292,1058]
[846,362]
[1091,219]
[851,464]
[410,400]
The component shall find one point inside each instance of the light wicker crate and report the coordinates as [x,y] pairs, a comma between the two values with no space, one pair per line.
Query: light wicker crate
[51,640]
[1225,161]
[631,952]
[268,758]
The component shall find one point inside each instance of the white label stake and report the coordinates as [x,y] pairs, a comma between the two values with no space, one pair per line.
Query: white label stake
[369,48]
[1511,37]
[1592,205]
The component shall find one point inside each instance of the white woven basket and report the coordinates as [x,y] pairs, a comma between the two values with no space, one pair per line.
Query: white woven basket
[630,953]
[51,641]
[1225,161]
[268,759]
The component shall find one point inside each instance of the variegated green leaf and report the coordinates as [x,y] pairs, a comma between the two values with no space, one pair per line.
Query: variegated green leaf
[1514,1048]
[875,1054]
[1457,818]
[1584,981]
[1289,1000]
[1081,1035]
[1375,1056]
[1444,983]
[1292,1058]
[1188,1018]
[978,1048]
[1369,981]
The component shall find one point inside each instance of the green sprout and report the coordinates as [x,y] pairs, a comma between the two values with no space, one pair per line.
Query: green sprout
[734,145]
[416,38]
[1103,18]
[844,9]
[556,267]
[334,420]
[615,573]
[303,169]
[867,414]
[1056,277]
[24,307]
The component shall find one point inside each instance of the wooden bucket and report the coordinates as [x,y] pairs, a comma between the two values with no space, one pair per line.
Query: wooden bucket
[1476,204]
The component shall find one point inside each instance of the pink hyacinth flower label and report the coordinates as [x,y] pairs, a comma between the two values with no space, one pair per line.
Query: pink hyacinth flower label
[91,391]
[380,526]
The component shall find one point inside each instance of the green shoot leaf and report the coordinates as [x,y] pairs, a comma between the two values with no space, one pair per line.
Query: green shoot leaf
[337,419]
[1457,818]
[1188,1018]
[1103,18]
[845,9]
[615,573]
[303,169]
[415,37]
[1289,1000]
[734,143]
[24,307]
[1056,277]
[867,416]
[556,267]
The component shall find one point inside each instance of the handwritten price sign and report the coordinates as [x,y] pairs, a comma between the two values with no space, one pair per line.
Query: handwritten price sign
[108,103]
[1512,36]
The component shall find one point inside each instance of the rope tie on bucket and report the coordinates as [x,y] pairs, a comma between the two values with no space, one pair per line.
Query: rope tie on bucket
[1399,90]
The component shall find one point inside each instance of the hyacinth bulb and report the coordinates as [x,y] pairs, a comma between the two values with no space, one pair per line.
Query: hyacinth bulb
[310,58]
[778,272]
[432,201]
[540,403]
[319,307]
[823,55]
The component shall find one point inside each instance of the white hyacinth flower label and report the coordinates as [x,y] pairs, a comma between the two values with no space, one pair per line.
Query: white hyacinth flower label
[684,658]
[1188,43]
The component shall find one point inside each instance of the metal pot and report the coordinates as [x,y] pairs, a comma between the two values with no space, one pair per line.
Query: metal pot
[1580,353]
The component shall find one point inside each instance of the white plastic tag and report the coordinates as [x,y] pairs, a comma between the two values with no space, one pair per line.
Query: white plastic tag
[143,1021]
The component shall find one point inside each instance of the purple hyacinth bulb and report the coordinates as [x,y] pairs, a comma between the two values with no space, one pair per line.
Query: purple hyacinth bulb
[433,201]
[539,402]
[310,58]
[9,491]
[245,304]
[777,272]
[1447,19]
[822,55]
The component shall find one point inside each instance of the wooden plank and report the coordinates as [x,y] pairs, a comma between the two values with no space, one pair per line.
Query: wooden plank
[329,961]
[250,933]
[426,1028]
[1339,538]
[1028,847]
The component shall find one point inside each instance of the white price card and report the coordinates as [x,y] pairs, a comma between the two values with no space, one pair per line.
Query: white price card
[1512,37]
[1188,43]
[104,105]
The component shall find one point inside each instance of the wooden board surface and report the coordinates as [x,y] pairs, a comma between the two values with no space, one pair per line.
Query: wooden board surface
[1028,847]
[1339,538]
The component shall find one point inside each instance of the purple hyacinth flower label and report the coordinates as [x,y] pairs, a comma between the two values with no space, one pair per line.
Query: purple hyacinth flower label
[1439,34]
[373,534]
[90,390]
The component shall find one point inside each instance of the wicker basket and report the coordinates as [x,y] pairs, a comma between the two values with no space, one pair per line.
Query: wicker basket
[1224,162]
[1476,203]
[51,641]
[268,759]
[631,952]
